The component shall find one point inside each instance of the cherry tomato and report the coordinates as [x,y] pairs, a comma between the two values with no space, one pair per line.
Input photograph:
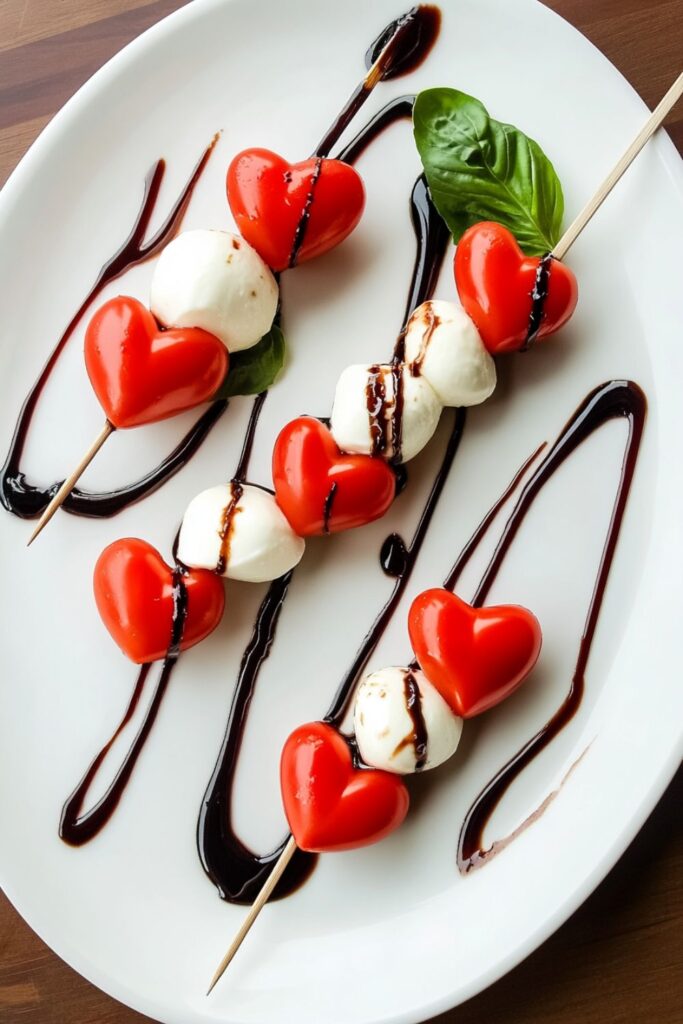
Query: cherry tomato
[319,489]
[495,281]
[134,594]
[288,212]
[475,657]
[142,374]
[330,805]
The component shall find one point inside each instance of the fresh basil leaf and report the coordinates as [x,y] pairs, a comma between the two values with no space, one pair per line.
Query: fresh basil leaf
[256,368]
[481,169]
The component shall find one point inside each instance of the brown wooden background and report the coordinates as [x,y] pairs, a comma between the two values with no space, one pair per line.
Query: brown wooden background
[619,960]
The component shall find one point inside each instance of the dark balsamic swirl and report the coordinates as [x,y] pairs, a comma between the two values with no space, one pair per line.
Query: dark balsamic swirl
[617,399]
[76,828]
[302,225]
[539,297]
[238,873]
[397,411]
[245,455]
[376,402]
[419,736]
[327,507]
[27,500]
[392,556]
[406,43]
[227,523]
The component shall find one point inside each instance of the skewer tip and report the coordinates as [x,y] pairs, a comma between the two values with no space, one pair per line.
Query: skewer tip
[68,485]
[288,851]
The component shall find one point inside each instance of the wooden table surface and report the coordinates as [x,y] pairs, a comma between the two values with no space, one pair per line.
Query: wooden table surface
[619,960]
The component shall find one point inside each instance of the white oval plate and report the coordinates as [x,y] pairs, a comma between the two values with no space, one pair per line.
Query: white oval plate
[391,933]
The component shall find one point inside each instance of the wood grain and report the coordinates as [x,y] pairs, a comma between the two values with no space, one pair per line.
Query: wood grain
[619,960]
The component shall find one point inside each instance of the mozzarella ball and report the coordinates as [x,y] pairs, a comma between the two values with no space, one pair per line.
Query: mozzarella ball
[365,412]
[216,281]
[243,535]
[389,735]
[443,346]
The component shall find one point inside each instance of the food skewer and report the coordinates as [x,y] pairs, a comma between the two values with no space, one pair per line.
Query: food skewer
[381,68]
[566,241]
[149,364]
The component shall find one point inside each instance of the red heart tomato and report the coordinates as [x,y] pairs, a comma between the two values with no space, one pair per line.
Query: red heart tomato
[288,212]
[319,489]
[329,804]
[495,281]
[142,374]
[475,657]
[134,593]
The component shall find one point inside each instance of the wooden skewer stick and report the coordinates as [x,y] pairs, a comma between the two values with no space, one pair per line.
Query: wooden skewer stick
[651,125]
[255,910]
[70,482]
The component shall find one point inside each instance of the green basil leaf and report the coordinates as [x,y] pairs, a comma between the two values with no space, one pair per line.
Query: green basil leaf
[481,169]
[256,368]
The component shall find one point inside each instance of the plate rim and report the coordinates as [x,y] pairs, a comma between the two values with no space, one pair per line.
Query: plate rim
[673,162]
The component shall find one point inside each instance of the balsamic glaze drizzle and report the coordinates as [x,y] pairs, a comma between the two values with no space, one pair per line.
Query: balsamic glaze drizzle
[237,872]
[392,556]
[419,736]
[243,463]
[327,507]
[612,400]
[376,401]
[228,519]
[539,297]
[75,828]
[27,500]
[406,42]
[430,322]
[397,410]
[300,233]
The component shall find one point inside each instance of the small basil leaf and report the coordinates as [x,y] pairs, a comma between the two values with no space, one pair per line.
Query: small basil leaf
[256,368]
[481,169]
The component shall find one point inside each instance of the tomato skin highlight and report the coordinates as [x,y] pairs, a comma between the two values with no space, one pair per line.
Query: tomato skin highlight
[142,374]
[475,657]
[133,589]
[495,281]
[331,805]
[269,198]
[320,489]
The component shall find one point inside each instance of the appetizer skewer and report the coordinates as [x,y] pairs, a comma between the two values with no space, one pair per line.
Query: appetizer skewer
[148,365]
[253,178]
[299,794]
[328,480]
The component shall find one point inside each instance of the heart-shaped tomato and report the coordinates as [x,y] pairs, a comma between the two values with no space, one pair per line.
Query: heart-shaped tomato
[319,489]
[292,212]
[142,374]
[329,804]
[134,593]
[475,657]
[495,281]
